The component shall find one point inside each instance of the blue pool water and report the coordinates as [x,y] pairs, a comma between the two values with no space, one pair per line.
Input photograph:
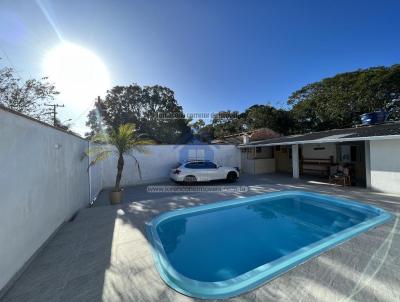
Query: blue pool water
[226,248]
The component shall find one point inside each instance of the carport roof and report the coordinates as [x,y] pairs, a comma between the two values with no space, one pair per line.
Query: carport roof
[372,132]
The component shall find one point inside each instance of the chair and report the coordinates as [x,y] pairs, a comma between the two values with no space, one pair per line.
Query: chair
[339,174]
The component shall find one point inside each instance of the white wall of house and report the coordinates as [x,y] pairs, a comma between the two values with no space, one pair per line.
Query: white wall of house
[43,182]
[385,165]
[247,161]
[264,165]
[157,161]
[257,161]
[263,152]
[319,151]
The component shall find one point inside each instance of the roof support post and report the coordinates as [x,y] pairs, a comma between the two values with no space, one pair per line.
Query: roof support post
[295,161]
[367,164]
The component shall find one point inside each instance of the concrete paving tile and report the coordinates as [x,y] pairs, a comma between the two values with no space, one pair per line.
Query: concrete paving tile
[53,255]
[120,286]
[87,287]
[38,293]
[88,263]
[129,252]
[113,262]
[103,245]
[129,235]
[68,238]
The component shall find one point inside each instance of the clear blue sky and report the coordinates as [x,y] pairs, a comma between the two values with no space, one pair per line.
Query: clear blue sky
[214,54]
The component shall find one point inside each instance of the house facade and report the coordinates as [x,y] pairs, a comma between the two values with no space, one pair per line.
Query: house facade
[370,154]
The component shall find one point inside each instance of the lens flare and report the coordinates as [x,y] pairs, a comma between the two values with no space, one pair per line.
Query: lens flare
[78,74]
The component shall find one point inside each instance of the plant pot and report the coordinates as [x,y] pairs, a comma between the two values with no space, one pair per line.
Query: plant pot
[116,197]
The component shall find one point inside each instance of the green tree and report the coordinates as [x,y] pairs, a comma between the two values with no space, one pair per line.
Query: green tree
[63,125]
[201,131]
[27,97]
[153,109]
[228,122]
[123,140]
[198,125]
[95,122]
[266,116]
[393,108]
[337,102]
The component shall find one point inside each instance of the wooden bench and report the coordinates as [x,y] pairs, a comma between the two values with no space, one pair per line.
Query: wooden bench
[316,166]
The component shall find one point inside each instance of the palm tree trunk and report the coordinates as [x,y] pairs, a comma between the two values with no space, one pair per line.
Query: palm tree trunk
[120,167]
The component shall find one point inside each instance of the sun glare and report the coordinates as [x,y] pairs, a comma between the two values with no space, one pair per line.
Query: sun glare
[78,74]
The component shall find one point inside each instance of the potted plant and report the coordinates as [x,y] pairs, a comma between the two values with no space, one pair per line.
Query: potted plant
[120,142]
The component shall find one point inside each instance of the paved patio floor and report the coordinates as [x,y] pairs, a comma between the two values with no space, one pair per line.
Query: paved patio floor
[103,255]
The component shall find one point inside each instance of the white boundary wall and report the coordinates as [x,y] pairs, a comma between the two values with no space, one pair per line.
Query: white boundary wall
[385,165]
[43,182]
[157,162]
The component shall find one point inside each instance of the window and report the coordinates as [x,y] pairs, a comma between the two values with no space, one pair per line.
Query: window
[258,149]
[210,165]
[189,166]
[192,166]
[201,165]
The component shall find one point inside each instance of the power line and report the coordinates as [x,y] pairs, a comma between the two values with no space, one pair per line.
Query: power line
[54,111]
[78,117]
[18,72]
[9,61]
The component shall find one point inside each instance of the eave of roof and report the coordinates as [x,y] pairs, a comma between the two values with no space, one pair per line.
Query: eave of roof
[321,141]
[368,133]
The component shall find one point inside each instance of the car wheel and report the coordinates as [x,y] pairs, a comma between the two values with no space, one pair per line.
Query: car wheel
[190,179]
[231,177]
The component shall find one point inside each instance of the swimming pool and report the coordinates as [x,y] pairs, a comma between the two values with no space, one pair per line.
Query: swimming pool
[226,248]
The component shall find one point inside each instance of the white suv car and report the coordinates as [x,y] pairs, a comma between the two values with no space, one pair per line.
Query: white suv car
[194,171]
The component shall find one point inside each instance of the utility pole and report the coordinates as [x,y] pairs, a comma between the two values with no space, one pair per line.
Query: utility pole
[54,111]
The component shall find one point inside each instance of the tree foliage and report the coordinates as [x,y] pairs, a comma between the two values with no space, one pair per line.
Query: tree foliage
[338,102]
[201,131]
[335,102]
[227,123]
[124,139]
[153,109]
[27,96]
[266,116]
[198,125]
[255,117]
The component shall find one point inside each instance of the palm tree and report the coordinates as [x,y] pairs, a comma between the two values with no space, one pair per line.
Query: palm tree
[117,141]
